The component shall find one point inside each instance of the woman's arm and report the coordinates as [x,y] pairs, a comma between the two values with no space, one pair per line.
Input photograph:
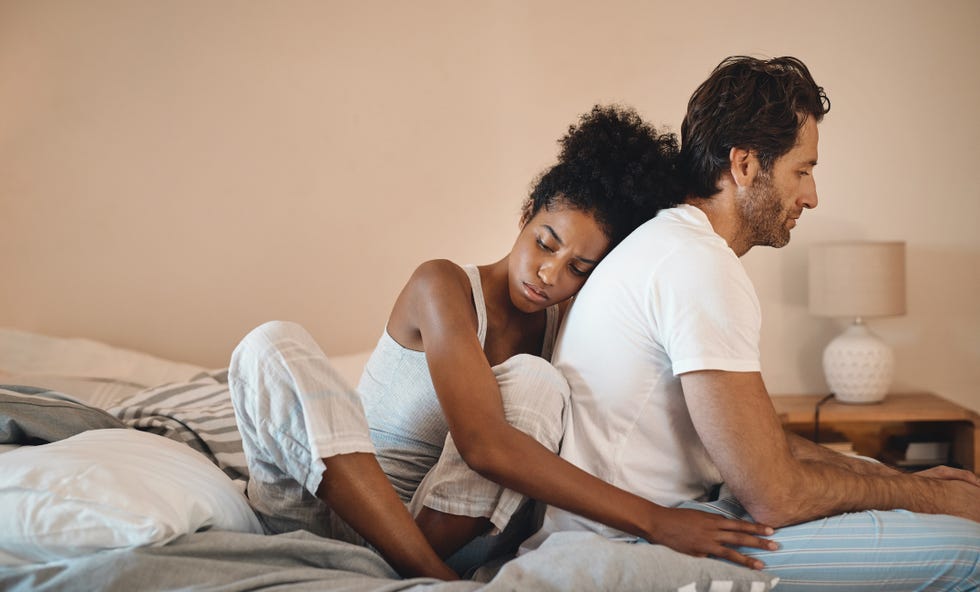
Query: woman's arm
[439,301]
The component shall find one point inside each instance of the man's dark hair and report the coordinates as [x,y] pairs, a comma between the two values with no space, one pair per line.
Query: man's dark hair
[614,166]
[747,103]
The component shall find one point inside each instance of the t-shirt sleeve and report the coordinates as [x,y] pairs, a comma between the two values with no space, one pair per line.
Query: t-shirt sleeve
[706,311]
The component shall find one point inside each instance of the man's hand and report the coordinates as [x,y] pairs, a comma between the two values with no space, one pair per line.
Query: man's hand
[951,474]
[961,499]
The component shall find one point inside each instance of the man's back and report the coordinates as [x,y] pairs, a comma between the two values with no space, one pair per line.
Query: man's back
[658,305]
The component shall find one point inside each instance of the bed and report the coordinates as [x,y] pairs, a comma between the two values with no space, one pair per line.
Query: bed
[124,471]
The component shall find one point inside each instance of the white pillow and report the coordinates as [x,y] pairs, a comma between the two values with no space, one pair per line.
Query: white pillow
[107,489]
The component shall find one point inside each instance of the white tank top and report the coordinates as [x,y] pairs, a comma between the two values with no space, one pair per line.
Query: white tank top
[408,427]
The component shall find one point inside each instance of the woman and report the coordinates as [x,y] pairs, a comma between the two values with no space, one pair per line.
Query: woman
[461,419]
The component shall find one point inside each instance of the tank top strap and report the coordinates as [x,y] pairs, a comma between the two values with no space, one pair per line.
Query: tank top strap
[550,331]
[478,302]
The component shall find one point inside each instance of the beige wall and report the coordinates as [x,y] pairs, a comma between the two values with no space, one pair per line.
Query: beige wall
[174,172]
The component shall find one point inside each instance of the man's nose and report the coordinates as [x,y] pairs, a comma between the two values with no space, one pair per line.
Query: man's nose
[810,198]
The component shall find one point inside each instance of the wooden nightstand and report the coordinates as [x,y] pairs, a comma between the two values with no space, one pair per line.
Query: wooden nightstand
[869,427]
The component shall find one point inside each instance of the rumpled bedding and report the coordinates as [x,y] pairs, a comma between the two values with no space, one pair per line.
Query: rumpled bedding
[298,561]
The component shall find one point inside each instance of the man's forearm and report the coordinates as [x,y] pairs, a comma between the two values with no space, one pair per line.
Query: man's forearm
[804,449]
[823,485]
[784,479]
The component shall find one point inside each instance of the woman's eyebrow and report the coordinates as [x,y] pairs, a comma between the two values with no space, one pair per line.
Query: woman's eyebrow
[562,243]
[554,234]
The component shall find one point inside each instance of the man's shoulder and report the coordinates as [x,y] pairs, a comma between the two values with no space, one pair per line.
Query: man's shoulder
[673,242]
[680,226]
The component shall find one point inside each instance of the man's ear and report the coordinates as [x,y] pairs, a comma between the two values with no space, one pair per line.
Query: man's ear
[744,166]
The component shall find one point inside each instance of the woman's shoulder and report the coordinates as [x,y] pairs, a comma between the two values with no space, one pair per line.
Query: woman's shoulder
[439,267]
[438,289]
[440,270]
[438,279]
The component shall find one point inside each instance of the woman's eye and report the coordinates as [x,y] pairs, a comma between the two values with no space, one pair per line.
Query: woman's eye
[544,246]
[579,272]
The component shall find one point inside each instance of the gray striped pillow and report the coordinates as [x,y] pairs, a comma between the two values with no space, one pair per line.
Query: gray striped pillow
[198,413]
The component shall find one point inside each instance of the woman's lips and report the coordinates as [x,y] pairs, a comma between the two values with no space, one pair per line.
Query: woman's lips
[534,293]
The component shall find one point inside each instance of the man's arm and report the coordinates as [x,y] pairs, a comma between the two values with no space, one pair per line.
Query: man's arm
[782,481]
[803,449]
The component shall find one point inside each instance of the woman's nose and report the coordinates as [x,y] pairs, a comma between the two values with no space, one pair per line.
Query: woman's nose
[545,275]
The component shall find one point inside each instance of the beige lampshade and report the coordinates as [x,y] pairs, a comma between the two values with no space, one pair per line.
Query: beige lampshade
[857,279]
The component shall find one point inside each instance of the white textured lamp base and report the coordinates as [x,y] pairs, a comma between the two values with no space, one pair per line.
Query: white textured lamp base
[858,365]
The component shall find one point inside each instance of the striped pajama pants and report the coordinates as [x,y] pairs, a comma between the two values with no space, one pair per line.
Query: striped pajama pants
[873,550]
[293,410]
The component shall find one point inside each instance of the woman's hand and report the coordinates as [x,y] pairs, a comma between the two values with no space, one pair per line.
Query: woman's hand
[703,534]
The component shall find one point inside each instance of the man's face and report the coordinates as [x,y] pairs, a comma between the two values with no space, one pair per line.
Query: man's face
[770,206]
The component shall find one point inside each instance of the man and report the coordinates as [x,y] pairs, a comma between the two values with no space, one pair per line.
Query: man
[661,353]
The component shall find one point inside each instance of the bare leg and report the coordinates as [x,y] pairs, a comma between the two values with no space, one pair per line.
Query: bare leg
[280,378]
[359,492]
[447,533]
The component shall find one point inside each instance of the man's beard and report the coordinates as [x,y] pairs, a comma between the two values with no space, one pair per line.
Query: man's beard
[763,215]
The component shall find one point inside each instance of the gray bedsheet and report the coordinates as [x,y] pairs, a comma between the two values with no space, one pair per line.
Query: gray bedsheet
[224,561]
[32,415]
[300,562]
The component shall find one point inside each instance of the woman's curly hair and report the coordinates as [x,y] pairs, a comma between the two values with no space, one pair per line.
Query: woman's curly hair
[614,166]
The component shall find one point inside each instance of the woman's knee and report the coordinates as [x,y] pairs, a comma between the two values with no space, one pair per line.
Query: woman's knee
[530,380]
[257,366]
[272,332]
[534,395]
[257,347]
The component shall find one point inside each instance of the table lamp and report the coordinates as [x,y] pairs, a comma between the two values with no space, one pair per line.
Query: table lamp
[858,280]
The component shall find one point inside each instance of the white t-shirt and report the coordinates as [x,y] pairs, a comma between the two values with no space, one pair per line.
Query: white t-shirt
[671,298]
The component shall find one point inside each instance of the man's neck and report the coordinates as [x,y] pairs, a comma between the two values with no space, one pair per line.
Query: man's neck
[723,216]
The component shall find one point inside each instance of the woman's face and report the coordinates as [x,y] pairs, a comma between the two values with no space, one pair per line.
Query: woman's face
[553,255]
